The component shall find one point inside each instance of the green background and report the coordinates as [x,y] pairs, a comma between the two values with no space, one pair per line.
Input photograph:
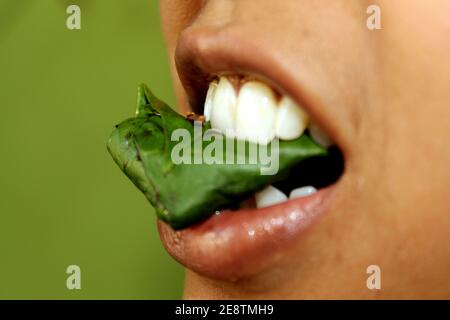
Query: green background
[63,201]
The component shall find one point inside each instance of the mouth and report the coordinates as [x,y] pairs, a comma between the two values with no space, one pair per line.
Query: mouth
[242,98]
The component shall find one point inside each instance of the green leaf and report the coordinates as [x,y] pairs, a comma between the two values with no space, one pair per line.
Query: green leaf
[184,193]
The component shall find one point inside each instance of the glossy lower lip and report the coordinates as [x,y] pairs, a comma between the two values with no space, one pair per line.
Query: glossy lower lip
[243,243]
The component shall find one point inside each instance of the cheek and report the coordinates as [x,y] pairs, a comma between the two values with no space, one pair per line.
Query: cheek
[404,165]
[415,72]
[176,15]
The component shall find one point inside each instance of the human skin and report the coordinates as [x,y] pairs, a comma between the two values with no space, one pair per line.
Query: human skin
[384,98]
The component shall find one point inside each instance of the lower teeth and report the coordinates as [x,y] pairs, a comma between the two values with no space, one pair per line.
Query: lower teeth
[269,196]
[312,174]
[302,192]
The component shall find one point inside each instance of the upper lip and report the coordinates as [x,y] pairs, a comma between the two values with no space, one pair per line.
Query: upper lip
[203,53]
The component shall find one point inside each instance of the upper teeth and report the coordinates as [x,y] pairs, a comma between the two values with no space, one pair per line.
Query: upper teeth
[208,100]
[319,135]
[254,114]
[291,120]
[223,108]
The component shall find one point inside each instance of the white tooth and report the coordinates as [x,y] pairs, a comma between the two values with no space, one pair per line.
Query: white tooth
[291,120]
[256,113]
[223,110]
[269,197]
[209,100]
[302,192]
[319,135]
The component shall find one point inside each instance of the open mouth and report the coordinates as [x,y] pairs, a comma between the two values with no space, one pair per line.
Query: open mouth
[244,108]
[248,237]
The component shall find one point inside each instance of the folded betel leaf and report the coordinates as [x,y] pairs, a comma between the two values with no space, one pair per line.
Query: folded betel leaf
[188,171]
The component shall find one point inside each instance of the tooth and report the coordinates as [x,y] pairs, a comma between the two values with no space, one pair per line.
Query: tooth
[223,110]
[256,113]
[302,192]
[319,135]
[269,196]
[291,120]
[209,100]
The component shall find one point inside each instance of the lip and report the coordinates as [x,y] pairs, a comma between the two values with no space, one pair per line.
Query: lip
[240,244]
[203,53]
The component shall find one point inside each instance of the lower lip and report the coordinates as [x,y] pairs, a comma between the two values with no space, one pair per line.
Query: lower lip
[243,243]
